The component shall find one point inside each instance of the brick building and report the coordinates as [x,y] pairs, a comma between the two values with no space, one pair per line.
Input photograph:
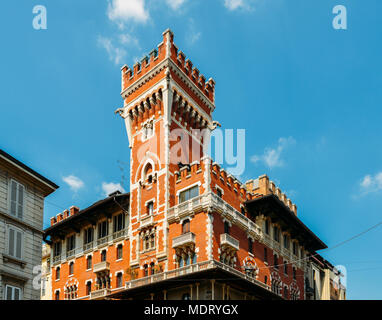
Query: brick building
[188,229]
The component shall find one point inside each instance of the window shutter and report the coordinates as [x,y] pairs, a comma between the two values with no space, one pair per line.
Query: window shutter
[18,244]
[13,198]
[11,242]
[20,201]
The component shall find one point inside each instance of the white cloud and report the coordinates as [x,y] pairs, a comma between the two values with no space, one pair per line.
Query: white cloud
[233,4]
[175,4]
[116,54]
[193,34]
[121,11]
[371,183]
[110,187]
[272,157]
[73,182]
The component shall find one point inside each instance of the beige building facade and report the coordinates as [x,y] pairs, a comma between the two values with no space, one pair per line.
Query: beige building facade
[22,193]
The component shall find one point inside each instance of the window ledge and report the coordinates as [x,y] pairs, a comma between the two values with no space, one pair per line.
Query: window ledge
[10,259]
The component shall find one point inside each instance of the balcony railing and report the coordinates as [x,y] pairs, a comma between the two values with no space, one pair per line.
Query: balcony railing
[184,240]
[227,240]
[102,241]
[70,253]
[88,246]
[212,201]
[57,259]
[205,265]
[119,234]
[101,267]
[99,293]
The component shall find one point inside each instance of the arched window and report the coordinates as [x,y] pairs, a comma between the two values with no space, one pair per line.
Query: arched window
[119,251]
[250,245]
[194,258]
[58,273]
[71,268]
[88,288]
[294,273]
[152,268]
[146,270]
[119,280]
[89,262]
[148,173]
[186,226]
[226,227]
[275,261]
[152,241]
[103,255]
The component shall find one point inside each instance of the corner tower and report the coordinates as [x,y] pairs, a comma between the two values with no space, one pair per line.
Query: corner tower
[168,108]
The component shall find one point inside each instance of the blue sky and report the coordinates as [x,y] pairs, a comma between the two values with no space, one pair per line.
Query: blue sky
[308,96]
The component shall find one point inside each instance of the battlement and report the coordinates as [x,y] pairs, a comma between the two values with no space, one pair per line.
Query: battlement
[193,73]
[64,215]
[264,186]
[167,50]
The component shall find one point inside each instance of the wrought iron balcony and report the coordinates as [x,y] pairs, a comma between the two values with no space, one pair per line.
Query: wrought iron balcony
[185,240]
[228,241]
[101,267]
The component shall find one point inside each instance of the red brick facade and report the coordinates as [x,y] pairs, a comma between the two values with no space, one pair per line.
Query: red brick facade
[165,94]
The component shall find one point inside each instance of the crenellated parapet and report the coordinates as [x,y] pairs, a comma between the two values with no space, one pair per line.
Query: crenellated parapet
[156,66]
[64,215]
[263,186]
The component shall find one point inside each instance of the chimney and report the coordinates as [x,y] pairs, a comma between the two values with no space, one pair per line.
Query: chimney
[74,210]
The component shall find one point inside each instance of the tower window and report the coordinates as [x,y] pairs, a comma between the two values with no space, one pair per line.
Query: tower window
[89,262]
[103,255]
[189,194]
[226,227]
[250,245]
[150,208]
[186,226]
[119,251]
[119,280]
[88,288]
